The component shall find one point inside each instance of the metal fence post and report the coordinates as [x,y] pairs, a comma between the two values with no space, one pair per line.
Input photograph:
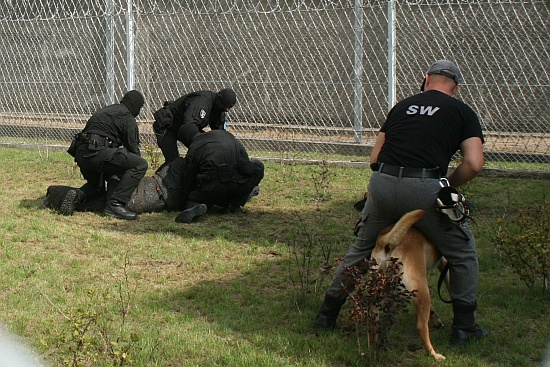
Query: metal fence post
[391,54]
[358,71]
[110,52]
[129,46]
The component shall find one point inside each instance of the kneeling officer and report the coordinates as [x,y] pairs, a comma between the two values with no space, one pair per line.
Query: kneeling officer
[109,146]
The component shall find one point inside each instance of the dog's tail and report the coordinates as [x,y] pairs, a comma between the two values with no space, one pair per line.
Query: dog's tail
[399,230]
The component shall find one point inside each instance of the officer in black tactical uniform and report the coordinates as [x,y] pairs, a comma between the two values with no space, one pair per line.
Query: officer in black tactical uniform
[202,108]
[217,170]
[108,150]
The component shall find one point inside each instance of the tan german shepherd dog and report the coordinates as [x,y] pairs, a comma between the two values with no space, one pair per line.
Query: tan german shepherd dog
[418,255]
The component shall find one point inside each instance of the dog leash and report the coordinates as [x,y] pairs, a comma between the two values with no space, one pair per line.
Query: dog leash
[441,280]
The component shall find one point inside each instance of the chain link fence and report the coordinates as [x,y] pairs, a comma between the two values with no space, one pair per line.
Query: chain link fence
[311,75]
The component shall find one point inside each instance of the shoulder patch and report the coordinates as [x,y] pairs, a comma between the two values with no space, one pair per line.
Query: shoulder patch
[202,113]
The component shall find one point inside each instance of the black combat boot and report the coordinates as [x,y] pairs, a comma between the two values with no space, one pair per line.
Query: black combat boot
[63,199]
[464,328]
[192,211]
[119,210]
[72,200]
[327,314]
[54,197]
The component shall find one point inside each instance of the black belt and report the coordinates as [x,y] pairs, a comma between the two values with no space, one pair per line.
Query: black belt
[408,171]
[98,140]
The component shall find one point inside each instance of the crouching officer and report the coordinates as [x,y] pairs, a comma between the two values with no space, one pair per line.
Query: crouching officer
[217,171]
[107,147]
[201,108]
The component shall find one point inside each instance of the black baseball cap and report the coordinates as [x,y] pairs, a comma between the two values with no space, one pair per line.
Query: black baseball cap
[446,68]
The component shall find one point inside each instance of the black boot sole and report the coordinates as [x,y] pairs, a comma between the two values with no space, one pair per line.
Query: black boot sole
[68,204]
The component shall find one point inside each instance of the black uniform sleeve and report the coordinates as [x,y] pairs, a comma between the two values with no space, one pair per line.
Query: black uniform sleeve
[472,127]
[244,165]
[219,124]
[130,137]
[197,112]
[385,124]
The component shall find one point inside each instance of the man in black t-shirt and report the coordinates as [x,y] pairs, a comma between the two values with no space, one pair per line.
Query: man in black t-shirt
[412,152]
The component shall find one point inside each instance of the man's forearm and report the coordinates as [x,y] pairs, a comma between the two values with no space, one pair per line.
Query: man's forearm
[462,174]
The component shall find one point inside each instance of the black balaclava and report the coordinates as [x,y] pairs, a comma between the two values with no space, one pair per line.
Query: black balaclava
[187,133]
[225,99]
[134,101]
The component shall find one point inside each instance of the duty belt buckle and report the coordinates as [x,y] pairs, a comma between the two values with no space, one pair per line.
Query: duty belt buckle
[443,182]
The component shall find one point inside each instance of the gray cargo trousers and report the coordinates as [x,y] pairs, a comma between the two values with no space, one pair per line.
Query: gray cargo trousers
[390,198]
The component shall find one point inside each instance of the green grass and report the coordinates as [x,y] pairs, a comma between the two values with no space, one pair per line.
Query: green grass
[224,291]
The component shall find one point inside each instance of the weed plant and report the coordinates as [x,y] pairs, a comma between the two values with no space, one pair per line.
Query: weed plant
[378,299]
[524,239]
